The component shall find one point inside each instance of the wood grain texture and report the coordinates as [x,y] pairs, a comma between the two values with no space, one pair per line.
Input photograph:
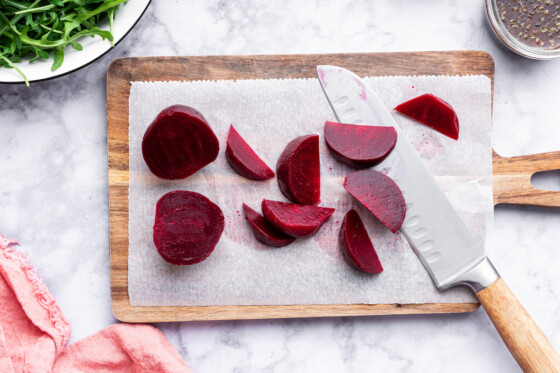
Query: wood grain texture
[512,179]
[523,337]
[123,71]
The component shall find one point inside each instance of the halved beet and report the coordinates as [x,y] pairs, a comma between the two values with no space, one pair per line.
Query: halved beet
[433,112]
[295,220]
[355,245]
[178,143]
[298,170]
[359,146]
[187,227]
[264,231]
[380,195]
[244,160]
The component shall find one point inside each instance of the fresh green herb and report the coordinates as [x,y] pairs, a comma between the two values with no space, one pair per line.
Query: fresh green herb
[41,28]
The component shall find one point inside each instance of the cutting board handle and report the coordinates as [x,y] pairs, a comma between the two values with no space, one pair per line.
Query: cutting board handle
[512,179]
[523,337]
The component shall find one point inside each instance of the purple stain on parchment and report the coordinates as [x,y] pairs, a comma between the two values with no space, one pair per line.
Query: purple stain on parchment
[362,94]
[322,77]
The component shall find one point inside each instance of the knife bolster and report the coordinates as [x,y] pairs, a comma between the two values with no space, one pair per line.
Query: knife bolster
[478,277]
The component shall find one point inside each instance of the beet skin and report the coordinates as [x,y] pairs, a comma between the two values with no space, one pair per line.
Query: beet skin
[380,195]
[295,220]
[355,245]
[359,146]
[178,143]
[187,227]
[298,170]
[244,160]
[433,112]
[264,231]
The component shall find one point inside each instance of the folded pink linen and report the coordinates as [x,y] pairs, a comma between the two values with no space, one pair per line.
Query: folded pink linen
[34,332]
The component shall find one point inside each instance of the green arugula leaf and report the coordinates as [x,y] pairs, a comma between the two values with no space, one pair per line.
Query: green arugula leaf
[38,29]
[58,58]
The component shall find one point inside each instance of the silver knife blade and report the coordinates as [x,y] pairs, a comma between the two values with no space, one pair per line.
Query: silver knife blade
[436,233]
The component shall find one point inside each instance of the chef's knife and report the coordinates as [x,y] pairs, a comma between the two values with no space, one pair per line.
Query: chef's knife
[436,233]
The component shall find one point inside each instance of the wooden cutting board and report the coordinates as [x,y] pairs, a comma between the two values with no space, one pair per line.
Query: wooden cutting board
[512,176]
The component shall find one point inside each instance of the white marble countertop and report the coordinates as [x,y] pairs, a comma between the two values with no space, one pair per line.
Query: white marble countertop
[53,184]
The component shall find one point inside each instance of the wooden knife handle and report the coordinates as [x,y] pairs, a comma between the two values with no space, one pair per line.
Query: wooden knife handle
[523,337]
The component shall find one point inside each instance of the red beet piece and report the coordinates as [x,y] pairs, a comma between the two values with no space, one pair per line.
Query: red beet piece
[359,146]
[187,227]
[380,195]
[295,220]
[178,143]
[172,201]
[298,170]
[355,245]
[264,231]
[244,160]
[433,112]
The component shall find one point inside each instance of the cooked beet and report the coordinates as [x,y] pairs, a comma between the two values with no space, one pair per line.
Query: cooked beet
[295,220]
[298,170]
[380,195]
[359,146]
[433,112]
[264,231]
[244,160]
[187,227]
[355,245]
[178,143]
[172,201]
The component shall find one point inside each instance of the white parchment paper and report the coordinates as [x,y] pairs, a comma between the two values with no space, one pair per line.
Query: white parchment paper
[268,114]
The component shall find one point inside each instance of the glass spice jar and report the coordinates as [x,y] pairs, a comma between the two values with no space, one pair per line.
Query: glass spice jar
[530,28]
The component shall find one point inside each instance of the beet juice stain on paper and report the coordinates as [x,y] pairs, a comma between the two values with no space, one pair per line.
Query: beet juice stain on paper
[270,114]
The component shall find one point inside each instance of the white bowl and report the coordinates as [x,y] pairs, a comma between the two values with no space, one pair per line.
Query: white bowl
[125,19]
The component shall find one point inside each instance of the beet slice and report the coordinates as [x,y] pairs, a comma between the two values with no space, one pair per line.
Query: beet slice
[359,146]
[178,143]
[298,170]
[433,112]
[355,245]
[244,160]
[380,195]
[295,220]
[264,231]
[187,227]
[172,201]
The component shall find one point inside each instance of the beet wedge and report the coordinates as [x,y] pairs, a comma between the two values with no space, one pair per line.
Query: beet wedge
[359,146]
[264,231]
[295,220]
[433,112]
[243,159]
[178,143]
[355,245]
[187,227]
[298,171]
[380,195]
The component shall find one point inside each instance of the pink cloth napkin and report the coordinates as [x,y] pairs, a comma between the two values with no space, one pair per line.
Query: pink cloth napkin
[34,332]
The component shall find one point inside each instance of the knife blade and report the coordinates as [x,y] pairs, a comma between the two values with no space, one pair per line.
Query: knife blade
[436,233]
